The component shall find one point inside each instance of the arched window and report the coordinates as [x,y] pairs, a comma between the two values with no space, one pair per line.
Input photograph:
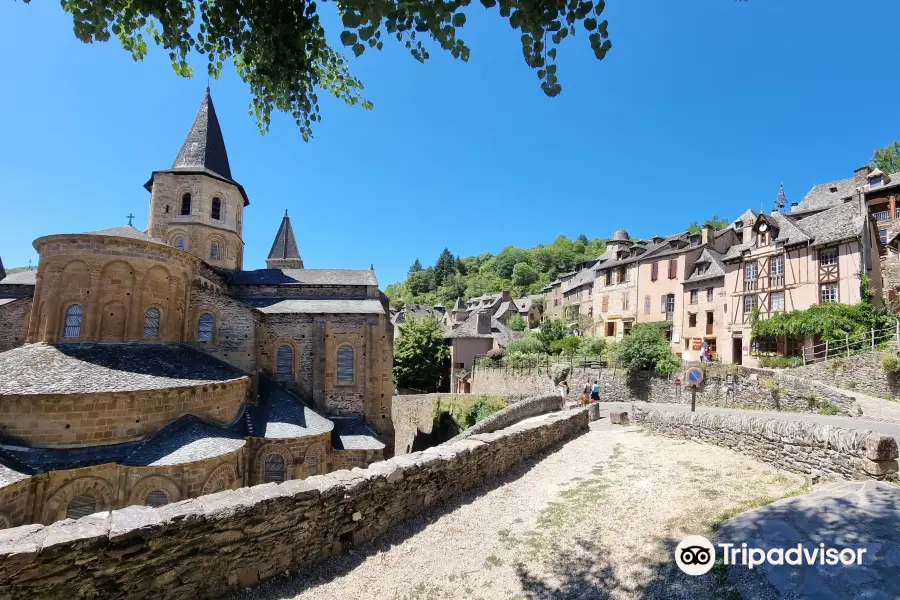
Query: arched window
[205,328]
[151,323]
[274,469]
[72,328]
[81,506]
[214,251]
[186,204]
[284,368]
[179,243]
[312,465]
[156,498]
[345,364]
[216,212]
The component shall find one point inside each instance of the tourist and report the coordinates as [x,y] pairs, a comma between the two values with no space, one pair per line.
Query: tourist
[585,397]
[595,391]
[563,389]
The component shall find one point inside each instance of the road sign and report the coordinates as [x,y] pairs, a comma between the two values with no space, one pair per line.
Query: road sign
[694,376]
[677,382]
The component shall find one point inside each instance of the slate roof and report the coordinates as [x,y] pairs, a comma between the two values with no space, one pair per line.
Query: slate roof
[25,277]
[187,439]
[203,150]
[277,306]
[279,415]
[716,267]
[417,311]
[42,460]
[125,231]
[7,300]
[285,245]
[583,277]
[821,197]
[788,231]
[839,223]
[351,433]
[304,277]
[93,368]
[469,329]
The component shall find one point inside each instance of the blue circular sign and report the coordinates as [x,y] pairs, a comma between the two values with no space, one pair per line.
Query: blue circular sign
[695,375]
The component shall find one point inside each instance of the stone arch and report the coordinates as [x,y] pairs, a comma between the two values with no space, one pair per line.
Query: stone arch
[153,483]
[259,465]
[219,241]
[222,478]
[177,234]
[314,460]
[100,489]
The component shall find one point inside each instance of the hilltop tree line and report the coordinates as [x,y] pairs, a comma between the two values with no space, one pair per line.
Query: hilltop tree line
[521,270]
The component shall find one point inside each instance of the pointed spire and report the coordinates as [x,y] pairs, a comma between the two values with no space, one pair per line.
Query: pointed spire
[781,199]
[284,253]
[204,146]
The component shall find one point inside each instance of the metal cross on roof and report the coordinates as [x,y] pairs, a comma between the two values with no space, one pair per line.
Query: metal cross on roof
[129,216]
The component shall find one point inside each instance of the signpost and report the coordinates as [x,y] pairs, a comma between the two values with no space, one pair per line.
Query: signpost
[694,376]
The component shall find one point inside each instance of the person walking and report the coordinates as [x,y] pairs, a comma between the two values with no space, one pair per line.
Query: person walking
[585,397]
[563,389]
[595,391]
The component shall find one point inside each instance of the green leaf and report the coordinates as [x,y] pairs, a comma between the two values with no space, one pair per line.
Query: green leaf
[590,24]
[358,49]
[459,19]
[348,38]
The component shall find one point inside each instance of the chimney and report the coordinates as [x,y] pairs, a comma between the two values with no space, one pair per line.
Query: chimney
[483,322]
[748,233]
[861,175]
[774,211]
[505,296]
[704,234]
[793,206]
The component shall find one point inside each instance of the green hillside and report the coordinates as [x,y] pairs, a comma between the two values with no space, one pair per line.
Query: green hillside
[520,270]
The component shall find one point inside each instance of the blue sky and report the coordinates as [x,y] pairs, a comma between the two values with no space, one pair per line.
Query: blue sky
[702,107]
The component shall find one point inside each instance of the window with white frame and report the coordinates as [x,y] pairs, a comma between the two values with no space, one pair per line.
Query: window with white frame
[777,266]
[750,271]
[829,293]
[777,302]
[828,256]
[694,296]
[709,294]
[749,304]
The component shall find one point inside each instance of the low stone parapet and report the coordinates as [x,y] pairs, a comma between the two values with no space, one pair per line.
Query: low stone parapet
[207,546]
[801,447]
[529,407]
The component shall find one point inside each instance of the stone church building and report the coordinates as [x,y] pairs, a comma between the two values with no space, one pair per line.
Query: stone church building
[149,367]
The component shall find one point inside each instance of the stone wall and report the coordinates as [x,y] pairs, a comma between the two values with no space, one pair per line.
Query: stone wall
[807,448]
[863,372]
[413,418]
[204,547]
[515,412]
[234,328]
[14,323]
[727,386]
[103,418]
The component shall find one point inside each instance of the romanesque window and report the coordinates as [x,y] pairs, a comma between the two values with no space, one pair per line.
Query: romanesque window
[179,243]
[216,212]
[156,498]
[72,327]
[205,328]
[345,364]
[81,506]
[285,364]
[274,469]
[186,204]
[151,323]
[312,465]
[214,251]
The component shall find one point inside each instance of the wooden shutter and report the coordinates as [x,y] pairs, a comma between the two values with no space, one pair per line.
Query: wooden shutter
[156,498]
[285,364]
[81,506]
[654,271]
[673,268]
[345,364]
[274,469]
[605,304]
[646,305]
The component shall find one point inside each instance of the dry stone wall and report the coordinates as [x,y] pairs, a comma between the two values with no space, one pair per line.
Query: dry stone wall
[732,387]
[518,411]
[807,448]
[204,547]
[863,372]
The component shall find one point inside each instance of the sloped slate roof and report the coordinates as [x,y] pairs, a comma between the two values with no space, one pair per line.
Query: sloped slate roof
[280,415]
[469,329]
[716,267]
[839,223]
[274,306]
[351,433]
[789,231]
[820,196]
[187,439]
[204,146]
[94,368]
[304,277]
[26,277]
[285,245]
[583,277]
[126,231]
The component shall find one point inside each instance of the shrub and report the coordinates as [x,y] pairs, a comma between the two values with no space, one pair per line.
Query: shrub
[518,360]
[529,344]
[551,330]
[647,350]
[835,364]
[516,322]
[780,362]
[569,345]
[891,363]
[593,347]
[494,358]
[829,409]
[560,373]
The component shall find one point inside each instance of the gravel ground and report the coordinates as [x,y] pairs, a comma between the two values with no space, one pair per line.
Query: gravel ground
[595,518]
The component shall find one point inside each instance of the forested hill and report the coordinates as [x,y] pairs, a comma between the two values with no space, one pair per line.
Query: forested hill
[520,270]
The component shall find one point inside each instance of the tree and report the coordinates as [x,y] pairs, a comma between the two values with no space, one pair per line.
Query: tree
[444,267]
[888,158]
[516,322]
[646,349]
[583,239]
[461,266]
[530,344]
[524,275]
[568,345]
[716,222]
[552,330]
[416,267]
[280,50]
[420,355]
[507,260]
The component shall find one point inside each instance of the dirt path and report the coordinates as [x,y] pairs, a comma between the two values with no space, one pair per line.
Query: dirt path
[596,518]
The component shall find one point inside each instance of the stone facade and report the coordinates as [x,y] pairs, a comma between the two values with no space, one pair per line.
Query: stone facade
[725,387]
[807,448]
[203,548]
[14,322]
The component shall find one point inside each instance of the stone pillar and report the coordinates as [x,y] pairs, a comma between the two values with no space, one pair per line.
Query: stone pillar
[34,319]
[51,331]
[90,324]
[134,325]
[38,505]
[170,325]
[318,366]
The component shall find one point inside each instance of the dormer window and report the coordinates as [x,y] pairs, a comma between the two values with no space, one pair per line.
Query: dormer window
[763,235]
[833,189]
[738,225]
[695,241]
[701,268]
[876,181]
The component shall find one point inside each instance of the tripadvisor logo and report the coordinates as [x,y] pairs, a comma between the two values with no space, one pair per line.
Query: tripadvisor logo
[695,555]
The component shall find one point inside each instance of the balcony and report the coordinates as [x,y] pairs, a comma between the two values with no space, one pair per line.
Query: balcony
[882,216]
[776,281]
[751,286]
